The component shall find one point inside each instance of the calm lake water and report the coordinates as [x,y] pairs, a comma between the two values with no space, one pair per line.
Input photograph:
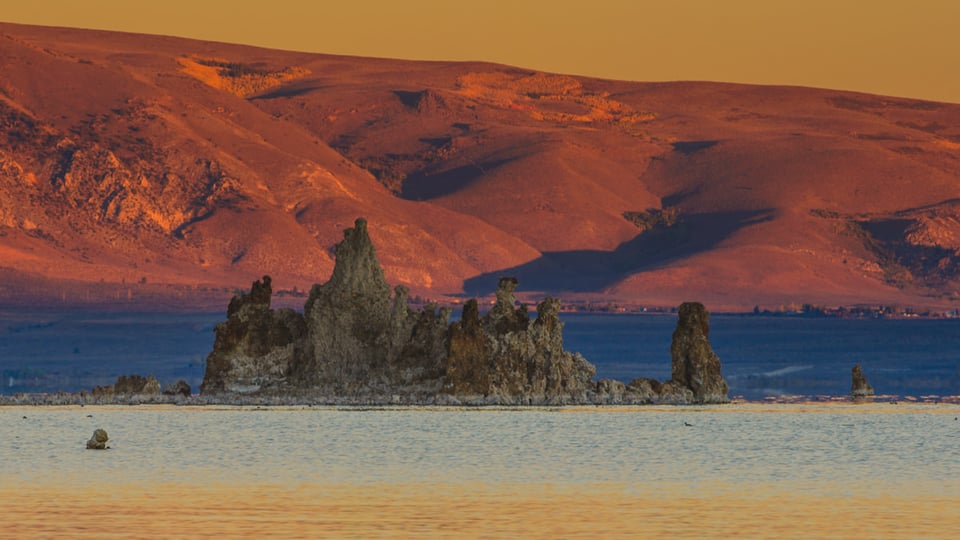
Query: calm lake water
[746,470]
[761,356]
[776,356]
[817,470]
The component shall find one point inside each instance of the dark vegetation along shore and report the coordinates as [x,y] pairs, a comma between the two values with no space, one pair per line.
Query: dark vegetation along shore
[357,344]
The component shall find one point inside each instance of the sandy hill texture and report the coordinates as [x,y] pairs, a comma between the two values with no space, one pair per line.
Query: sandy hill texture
[136,167]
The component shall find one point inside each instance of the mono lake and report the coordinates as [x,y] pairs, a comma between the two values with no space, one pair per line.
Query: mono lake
[748,470]
[814,470]
[775,356]
[45,351]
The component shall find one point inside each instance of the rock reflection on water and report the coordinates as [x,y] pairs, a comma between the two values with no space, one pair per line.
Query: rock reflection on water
[747,471]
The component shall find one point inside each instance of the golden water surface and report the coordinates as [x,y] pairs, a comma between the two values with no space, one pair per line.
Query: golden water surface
[790,481]
[186,511]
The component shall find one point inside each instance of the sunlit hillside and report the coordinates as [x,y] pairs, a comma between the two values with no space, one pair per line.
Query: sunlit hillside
[145,167]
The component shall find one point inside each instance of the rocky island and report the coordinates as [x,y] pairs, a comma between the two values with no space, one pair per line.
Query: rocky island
[358,343]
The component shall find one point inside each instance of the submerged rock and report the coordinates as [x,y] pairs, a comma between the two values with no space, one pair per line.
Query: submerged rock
[694,365]
[98,441]
[859,387]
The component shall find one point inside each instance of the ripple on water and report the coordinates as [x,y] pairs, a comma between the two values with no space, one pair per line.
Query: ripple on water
[546,472]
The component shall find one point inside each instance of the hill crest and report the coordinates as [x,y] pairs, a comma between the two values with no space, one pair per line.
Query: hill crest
[128,159]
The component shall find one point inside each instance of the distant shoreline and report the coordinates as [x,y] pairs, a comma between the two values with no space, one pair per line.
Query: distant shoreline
[64,399]
[873,311]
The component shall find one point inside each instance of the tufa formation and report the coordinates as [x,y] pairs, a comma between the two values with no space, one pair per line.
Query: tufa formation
[254,347]
[359,343]
[359,340]
[179,388]
[504,357]
[98,441]
[859,387]
[695,368]
[694,365]
[136,385]
[137,389]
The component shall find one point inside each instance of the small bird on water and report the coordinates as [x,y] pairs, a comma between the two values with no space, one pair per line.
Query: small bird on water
[688,424]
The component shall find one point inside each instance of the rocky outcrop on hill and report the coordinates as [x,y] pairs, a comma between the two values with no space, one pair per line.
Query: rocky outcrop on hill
[859,387]
[358,343]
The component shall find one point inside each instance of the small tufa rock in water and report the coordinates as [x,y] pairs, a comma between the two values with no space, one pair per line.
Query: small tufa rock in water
[179,388]
[135,385]
[98,441]
[859,388]
[695,367]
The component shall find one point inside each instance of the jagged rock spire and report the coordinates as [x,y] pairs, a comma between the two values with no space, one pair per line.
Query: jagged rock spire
[357,270]
[694,365]
[859,387]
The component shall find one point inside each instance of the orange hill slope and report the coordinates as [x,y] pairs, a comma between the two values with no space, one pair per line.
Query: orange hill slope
[128,158]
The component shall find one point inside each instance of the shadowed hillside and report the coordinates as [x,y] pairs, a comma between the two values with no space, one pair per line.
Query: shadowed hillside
[196,166]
